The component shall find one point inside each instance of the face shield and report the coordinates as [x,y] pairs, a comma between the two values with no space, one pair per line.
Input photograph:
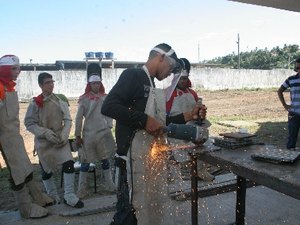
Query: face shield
[184,73]
[172,58]
[174,82]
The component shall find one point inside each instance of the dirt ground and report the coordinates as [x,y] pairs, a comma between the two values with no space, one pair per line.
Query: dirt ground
[227,111]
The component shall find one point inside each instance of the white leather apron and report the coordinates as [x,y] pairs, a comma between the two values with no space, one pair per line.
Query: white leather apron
[182,103]
[12,142]
[51,117]
[97,137]
[150,188]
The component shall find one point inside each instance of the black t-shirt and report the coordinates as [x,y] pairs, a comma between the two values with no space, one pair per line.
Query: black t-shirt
[126,103]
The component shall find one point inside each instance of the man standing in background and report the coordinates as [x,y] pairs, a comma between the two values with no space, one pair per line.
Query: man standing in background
[48,118]
[183,107]
[93,133]
[12,145]
[293,83]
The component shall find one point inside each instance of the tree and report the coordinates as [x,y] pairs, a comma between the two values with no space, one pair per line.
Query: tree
[261,58]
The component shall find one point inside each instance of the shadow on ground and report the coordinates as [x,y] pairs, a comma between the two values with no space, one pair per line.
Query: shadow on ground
[274,133]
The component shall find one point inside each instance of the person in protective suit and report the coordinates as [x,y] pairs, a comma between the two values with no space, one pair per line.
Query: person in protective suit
[93,134]
[48,118]
[29,197]
[183,107]
[139,109]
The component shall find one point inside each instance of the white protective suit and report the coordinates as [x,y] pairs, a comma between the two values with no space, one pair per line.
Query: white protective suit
[54,116]
[96,132]
[30,198]
[12,142]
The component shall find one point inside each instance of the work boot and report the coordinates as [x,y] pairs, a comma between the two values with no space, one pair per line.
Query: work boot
[38,196]
[82,185]
[108,181]
[26,207]
[51,189]
[69,196]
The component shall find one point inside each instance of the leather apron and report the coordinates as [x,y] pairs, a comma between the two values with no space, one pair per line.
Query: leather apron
[182,103]
[13,147]
[149,175]
[98,141]
[51,116]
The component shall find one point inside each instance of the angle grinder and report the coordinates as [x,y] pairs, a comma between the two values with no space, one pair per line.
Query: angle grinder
[187,132]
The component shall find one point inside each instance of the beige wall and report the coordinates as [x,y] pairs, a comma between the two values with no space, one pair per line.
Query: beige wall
[72,83]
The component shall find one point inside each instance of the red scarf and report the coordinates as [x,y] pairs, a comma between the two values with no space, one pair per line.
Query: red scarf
[88,94]
[8,87]
[39,100]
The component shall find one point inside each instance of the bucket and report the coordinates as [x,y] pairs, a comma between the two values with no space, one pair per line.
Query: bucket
[99,55]
[89,54]
[109,55]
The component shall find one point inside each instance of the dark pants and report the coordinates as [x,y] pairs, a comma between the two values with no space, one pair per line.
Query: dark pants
[293,127]
[123,190]
[125,214]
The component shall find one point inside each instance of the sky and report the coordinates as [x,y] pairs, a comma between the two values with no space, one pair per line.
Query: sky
[45,31]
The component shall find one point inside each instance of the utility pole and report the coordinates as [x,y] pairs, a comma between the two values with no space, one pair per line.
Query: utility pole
[198,52]
[239,59]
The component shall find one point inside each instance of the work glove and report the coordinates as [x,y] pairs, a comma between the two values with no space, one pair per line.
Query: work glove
[61,143]
[63,140]
[51,136]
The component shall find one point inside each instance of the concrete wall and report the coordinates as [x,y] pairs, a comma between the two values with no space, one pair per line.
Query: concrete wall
[72,83]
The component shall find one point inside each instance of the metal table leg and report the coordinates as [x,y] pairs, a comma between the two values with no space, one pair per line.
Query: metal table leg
[194,188]
[240,209]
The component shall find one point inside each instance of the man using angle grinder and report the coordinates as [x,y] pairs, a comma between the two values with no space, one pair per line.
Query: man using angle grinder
[185,107]
[139,110]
